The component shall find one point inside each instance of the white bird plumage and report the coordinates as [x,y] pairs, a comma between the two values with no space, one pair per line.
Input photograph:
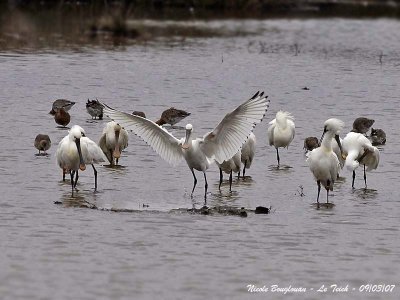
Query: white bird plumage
[281,131]
[359,150]
[229,166]
[323,162]
[113,140]
[76,150]
[248,152]
[220,144]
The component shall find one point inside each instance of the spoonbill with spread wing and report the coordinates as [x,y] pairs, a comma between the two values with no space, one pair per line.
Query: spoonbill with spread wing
[220,144]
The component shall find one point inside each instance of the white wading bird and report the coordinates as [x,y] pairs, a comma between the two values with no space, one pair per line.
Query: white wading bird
[323,162]
[229,166]
[281,132]
[113,140]
[75,151]
[220,144]
[248,151]
[359,150]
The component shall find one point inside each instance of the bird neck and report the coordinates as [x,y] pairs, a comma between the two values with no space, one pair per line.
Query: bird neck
[327,141]
[281,121]
[161,122]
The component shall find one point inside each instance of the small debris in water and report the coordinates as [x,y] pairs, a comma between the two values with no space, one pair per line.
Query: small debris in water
[262,210]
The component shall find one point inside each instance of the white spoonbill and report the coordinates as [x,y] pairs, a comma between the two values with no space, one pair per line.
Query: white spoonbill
[359,150]
[248,151]
[219,145]
[281,132]
[113,140]
[229,166]
[75,151]
[323,162]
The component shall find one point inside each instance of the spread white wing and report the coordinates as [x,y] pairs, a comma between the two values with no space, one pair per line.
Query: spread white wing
[162,142]
[226,139]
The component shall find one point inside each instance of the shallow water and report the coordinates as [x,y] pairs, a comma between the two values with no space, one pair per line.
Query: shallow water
[67,251]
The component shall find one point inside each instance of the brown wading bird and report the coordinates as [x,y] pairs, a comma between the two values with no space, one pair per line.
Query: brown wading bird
[169,116]
[362,125]
[62,117]
[42,143]
[61,103]
[113,140]
[310,143]
[378,137]
[139,113]
[95,109]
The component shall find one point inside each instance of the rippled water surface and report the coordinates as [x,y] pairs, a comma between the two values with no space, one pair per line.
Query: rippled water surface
[150,250]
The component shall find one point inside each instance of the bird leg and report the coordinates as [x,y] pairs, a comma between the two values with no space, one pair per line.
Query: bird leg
[220,178]
[71,173]
[277,155]
[328,185]
[95,177]
[319,189]
[354,177]
[244,169]
[76,179]
[230,182]
[206,186]
[365,178]
[195,182]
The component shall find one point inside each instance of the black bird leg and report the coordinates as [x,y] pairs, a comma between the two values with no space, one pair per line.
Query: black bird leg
[277,155]
[230,182]
[95,177]
[354,177]
[220,178]
[365,178]
[205,186]
[195,182]
[319,190]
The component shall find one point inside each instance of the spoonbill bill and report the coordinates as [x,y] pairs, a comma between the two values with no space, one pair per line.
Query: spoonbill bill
[323,162]
[281,131]
[359,150]
[113,140]
[75,151]
[219,145]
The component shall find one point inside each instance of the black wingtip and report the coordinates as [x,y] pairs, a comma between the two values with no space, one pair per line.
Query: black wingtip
[255,95]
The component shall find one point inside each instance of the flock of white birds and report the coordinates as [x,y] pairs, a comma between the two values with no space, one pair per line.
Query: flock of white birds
[230,144]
